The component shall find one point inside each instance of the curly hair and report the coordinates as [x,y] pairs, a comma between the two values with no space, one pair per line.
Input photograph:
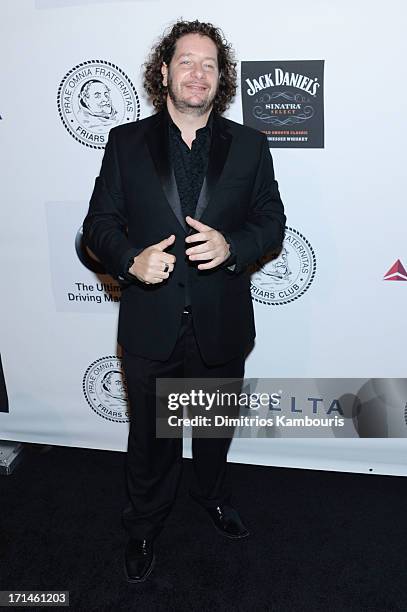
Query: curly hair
[164,50]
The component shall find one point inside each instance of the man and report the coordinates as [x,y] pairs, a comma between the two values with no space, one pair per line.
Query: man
[185,201]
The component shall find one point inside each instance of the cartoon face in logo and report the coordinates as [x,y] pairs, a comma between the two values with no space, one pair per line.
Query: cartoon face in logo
[95,97]
[114,386]
[95,105]
[276,271]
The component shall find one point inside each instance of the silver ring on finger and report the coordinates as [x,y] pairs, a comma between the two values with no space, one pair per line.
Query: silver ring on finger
[166,267]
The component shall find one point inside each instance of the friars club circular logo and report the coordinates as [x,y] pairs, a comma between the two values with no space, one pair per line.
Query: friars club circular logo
[92,98]
[282,279]
[105,391]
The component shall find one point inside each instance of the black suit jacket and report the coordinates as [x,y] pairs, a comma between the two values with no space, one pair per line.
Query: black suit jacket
[135,204]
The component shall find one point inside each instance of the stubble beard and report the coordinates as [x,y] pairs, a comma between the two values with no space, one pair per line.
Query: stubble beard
[183,106]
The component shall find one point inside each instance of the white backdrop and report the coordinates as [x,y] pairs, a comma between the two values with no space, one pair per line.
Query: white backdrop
[346,199]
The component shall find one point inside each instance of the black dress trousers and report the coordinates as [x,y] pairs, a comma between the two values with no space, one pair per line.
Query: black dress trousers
[154,464]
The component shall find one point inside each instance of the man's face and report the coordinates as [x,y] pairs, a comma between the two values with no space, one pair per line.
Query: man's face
[98,99]
[281,262]
[193,74]
[115,385]
[279,265]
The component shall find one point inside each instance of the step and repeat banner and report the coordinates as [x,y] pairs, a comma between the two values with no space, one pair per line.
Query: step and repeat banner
[323,82]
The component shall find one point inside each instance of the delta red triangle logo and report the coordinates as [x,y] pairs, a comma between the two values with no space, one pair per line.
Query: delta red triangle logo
[396,273]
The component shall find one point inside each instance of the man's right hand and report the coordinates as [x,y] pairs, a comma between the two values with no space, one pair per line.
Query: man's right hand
[149,265]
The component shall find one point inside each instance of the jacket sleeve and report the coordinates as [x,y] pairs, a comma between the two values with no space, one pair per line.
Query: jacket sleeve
[105,225]
[264,229]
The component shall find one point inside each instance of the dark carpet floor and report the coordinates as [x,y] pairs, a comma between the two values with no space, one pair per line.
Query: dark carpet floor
[320,540]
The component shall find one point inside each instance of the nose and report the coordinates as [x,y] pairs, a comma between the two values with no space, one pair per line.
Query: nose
[197,71]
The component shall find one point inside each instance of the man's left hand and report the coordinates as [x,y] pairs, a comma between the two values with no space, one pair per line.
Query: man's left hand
[214,246]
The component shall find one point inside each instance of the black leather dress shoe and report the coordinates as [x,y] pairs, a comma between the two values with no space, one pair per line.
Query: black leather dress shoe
[227,520]
[139,559]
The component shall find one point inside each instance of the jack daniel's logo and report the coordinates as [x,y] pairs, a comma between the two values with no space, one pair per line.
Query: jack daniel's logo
[285,101]
[285,78]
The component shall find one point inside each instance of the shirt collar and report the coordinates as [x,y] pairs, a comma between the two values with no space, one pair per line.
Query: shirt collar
[174,126]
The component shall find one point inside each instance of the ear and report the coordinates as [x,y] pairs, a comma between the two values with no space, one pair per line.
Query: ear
[164,72]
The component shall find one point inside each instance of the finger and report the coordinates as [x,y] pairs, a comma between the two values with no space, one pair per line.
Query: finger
[160,274]
[159,267]
[200,248]
[201,227]
[164,243]
[203,256]
[199,237]
[168,258]
[169,269]
[154,280]
[159,260]
[163,258]
[211,264]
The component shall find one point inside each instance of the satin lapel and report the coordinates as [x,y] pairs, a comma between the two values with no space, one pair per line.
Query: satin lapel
[219,149]
[157,142]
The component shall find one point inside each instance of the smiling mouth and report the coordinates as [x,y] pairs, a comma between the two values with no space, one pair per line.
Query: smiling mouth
[194,87]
